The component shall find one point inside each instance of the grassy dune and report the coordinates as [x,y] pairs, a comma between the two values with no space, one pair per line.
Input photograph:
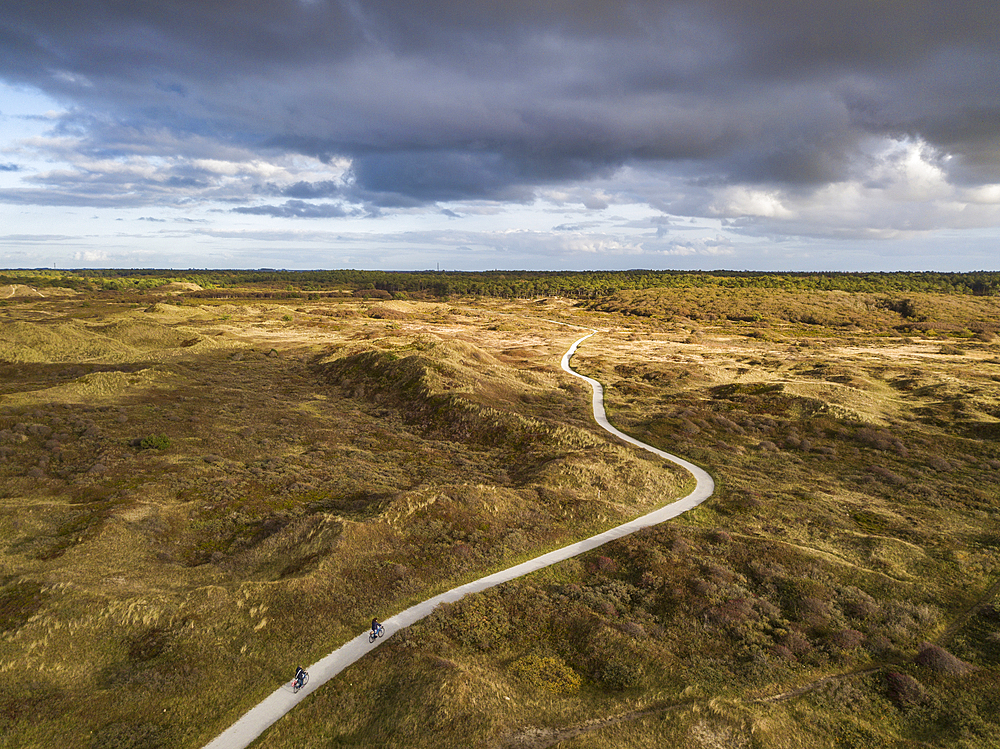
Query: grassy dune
[195,497]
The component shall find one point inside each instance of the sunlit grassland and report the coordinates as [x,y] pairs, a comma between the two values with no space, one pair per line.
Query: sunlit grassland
[856,521]
[194,498]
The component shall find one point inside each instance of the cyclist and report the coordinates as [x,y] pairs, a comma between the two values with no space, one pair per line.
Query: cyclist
[300,677]
[375,626]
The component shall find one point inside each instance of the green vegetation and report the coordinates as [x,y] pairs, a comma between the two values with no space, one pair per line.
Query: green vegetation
[155,442]
[198,493]
[278,284]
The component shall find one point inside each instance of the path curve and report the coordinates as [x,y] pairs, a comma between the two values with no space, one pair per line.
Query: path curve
[258,719]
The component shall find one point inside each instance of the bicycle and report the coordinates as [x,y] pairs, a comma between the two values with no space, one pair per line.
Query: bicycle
[376,633]
[300,681]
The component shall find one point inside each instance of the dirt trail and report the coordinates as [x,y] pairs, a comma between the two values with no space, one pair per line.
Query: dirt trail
[944,639]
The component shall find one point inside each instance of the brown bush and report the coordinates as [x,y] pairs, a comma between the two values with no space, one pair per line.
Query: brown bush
[603,565]
[878,644]
[632,629]
[679,546]
[386,313]
[814,605]
[702,588]
[783,653]
[732,612]
[884,474]
[796,643]
[939,464]
[860,608]
[716,573]
[904,690]
[938,659]
[373,294]
[846,639]
[880,439]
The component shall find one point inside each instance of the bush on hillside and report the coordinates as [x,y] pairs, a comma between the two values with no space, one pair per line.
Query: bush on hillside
[938,659]
[548,672]
[154,442]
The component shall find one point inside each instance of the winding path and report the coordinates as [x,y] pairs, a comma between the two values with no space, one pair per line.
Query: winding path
[258,719]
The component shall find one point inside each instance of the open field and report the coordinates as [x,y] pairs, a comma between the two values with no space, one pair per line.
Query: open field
[196,495]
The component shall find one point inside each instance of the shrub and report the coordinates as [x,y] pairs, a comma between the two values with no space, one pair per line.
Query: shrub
[154,442]
[796,643]
[880,439]
[480,620]
[814,605]
[734,612]
[633,629]
[904,690]
[603,565]
[878,645]
[860,606]
[679,546]
[939,464]
[720,537]
[884,474]
[386,313]
[938,659]
[782,653]
[548,672]
[846,639]
[619,674]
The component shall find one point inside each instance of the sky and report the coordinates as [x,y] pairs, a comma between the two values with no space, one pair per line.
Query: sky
[853,135]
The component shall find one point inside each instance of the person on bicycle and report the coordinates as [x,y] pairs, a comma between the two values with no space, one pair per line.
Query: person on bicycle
[300,677]
[375,626]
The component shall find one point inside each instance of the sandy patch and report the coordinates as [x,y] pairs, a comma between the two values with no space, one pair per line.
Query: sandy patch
[175,286]
[6,292]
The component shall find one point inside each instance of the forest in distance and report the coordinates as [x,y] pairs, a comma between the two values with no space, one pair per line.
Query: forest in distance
[500,284]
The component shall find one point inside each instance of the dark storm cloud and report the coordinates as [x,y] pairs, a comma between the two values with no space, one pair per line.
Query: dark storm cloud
[312,190]
[398,179]
[459,99]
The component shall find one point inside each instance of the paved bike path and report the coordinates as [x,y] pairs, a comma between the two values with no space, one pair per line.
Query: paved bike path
[257,720]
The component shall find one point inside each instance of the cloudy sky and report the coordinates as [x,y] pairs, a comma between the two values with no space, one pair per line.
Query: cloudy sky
[466,134]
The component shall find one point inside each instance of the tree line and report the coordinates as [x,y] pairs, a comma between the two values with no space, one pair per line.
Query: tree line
[502,284]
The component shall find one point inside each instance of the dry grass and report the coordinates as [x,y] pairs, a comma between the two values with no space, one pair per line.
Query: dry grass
[196,498]
[177,483]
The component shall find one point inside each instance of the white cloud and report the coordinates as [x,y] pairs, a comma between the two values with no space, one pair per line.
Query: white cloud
[984,194]
[897,188]
[92,256]
[743,200]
